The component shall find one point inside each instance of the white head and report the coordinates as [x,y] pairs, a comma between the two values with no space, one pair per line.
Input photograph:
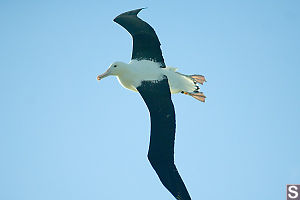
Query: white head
[114,69]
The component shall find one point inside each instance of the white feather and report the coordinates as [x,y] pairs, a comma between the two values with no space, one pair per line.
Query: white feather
[137,71]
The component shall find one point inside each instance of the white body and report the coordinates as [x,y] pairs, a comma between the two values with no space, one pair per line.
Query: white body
[137,71]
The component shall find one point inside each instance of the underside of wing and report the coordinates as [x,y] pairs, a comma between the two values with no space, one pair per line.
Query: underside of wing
[146,45]
[157,97]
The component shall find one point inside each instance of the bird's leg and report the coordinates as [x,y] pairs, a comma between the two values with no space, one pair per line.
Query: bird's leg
[197,95]
[198,78]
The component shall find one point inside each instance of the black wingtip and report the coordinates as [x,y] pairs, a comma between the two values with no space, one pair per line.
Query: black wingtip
[131,12]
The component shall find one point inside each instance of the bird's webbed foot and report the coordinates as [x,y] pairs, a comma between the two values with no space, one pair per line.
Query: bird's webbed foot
[198,78]
[197,95]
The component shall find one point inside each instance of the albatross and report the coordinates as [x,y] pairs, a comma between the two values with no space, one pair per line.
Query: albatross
[148,74]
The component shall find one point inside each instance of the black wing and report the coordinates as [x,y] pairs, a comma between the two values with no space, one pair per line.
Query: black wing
[146,44]
[157,97]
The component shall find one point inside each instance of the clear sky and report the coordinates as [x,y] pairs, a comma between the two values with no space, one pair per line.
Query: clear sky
[63,135]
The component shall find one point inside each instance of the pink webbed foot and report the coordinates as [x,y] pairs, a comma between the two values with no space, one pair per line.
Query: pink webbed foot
[197,95]
[198,79]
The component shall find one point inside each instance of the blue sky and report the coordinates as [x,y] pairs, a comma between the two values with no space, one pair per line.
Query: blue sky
[63,135]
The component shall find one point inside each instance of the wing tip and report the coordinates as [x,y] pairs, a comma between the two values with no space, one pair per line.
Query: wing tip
[129,13]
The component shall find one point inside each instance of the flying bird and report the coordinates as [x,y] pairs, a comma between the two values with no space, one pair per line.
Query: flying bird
[147,74]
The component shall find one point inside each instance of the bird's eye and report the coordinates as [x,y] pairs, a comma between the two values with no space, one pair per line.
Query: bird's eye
[115,65]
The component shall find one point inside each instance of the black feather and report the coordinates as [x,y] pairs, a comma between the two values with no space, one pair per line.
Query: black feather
[146,45]
[157,97]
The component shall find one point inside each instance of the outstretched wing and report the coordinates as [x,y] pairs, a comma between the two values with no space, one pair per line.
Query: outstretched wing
[157,97]
[146,44]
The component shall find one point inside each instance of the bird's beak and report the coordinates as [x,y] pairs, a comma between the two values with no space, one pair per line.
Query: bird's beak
[105,74]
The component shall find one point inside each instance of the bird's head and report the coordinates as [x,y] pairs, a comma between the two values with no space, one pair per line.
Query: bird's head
[115,69]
